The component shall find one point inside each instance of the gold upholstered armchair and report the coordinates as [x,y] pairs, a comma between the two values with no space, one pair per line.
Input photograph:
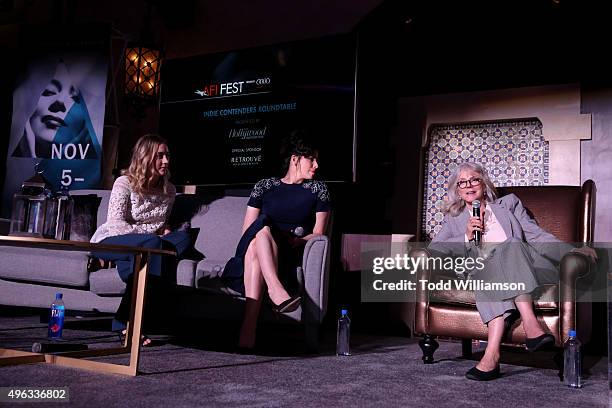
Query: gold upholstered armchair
[568,213]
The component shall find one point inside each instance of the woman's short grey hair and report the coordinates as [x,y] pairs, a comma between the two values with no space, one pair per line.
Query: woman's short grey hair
[455,203]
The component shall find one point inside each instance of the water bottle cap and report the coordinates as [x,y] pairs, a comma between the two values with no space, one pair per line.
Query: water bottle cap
[572,333]
[58,296]
[344,312]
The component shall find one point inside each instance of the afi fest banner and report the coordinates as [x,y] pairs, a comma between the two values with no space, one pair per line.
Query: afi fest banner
[58,118]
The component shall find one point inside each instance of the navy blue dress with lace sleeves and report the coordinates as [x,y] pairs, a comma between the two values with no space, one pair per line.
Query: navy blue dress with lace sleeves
[288,206]
[283,208]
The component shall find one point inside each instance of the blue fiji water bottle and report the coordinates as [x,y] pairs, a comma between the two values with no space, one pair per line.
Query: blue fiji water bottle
[344,334]
[572,364]
[56,318]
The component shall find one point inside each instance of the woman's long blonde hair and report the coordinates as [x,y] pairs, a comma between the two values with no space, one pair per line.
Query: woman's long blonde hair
[455,203]
[140,171]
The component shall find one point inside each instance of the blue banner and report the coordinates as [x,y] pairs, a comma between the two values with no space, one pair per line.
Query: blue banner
[58,119]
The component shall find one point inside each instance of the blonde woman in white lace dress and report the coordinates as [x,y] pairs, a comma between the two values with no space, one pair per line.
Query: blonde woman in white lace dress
[138,213]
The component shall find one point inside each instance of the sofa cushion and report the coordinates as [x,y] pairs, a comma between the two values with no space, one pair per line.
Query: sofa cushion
[208,277]
[186,273]
[216,286]
[220,225]
[210,268]
[64,268]
[106,282]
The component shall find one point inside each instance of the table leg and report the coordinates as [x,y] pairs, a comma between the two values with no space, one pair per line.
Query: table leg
[74,358]
[136,312]
[134,328]
[132,338]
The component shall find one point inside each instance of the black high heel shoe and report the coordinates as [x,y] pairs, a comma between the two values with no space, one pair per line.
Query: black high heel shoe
[288,305]
[477,375]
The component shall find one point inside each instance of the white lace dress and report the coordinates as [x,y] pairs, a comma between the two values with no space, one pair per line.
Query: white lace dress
[132,213]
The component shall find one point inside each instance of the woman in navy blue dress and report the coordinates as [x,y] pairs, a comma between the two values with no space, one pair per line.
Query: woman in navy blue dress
[287,212]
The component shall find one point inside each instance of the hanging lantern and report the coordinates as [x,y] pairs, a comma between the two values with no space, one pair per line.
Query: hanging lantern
[142,71]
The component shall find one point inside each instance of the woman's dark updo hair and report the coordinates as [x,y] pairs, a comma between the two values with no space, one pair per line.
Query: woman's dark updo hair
[296,144]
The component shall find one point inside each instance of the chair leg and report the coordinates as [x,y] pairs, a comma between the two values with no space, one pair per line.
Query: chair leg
[429,345]
[466,348]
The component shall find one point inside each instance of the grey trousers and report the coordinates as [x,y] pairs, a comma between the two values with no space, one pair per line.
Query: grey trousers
[512,261]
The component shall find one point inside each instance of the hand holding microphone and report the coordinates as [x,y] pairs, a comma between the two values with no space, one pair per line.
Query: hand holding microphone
[475,223]
[295,236]
[298,232]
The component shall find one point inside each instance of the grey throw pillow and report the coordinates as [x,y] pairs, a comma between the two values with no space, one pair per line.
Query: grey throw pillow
[84,217]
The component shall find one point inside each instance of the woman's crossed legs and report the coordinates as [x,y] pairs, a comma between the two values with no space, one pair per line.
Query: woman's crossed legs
[260,272]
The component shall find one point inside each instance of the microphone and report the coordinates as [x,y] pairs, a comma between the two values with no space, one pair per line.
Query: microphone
[476,213]
[298,232]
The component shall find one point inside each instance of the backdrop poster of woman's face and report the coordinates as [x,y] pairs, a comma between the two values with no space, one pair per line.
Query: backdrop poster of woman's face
[58,120]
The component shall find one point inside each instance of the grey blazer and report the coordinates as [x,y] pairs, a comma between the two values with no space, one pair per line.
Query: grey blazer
[517,225]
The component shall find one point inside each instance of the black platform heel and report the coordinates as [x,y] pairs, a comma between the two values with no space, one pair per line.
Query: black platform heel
[288,306]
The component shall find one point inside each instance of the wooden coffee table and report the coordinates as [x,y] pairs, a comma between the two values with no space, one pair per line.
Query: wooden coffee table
[77,358]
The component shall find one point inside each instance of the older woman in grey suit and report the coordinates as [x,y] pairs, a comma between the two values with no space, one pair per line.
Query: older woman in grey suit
[515,249]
